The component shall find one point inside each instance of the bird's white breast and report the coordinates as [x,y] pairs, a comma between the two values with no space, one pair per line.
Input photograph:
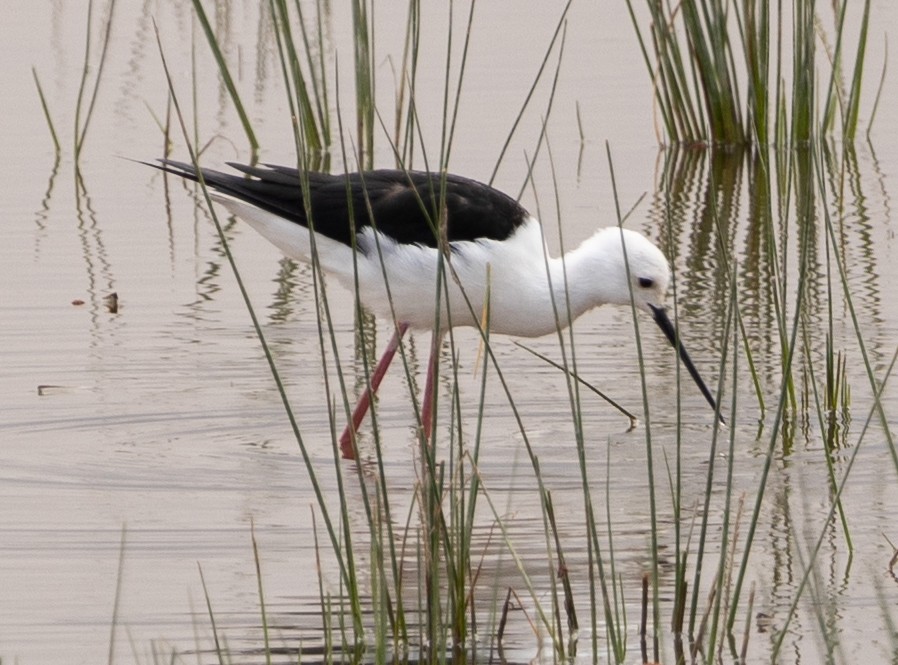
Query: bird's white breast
[509,274]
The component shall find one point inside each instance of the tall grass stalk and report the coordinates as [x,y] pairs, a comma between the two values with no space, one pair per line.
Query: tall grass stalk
[614,617]
[613,603]
[850,101]
[308,107]
[779,417]
[384,538]
[260,588]
[563,319]
[826,417]
[777,243]
[345,552]
[433,476]
[849,303]
[754,31]
[804,181]
[378,516]
[675,480]
[716,72]
[227,79]
[219,650]
[803,73]
[874,412]
[733,325]
[879,89]
[46,109]
[545,619]
[724,565]
[676,174]
[559,31]
[457,564]
[84,115]
[583,382]
[405,125]
[347,570]
[650,472]
[363,60]
[116,603]
[449,119]
[441,543]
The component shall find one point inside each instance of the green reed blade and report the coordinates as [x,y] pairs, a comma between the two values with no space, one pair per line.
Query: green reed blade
[83,116]
[854,98]
[347,569]
[559,26]
[226,78]
[46,109]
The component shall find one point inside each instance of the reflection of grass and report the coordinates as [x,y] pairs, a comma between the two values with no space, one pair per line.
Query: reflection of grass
[416,580]
[793,282]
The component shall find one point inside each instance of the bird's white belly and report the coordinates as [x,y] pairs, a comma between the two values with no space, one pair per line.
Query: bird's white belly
[478,283]
[497,284]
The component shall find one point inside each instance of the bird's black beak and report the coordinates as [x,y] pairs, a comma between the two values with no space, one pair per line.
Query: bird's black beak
[667,327]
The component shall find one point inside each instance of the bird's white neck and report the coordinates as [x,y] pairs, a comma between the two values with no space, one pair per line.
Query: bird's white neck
[580,280]
[537,302]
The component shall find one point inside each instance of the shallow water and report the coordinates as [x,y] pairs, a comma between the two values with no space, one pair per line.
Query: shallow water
[157,431]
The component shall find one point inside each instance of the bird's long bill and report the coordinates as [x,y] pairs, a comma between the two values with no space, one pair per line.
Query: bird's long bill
[667,327]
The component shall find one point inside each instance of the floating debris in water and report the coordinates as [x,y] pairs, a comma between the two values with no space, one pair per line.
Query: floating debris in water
[47,389]
[111,302]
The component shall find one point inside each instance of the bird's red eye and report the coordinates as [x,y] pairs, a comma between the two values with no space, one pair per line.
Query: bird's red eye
[646,282]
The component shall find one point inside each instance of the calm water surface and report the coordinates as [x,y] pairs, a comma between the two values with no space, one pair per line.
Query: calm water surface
[160,425]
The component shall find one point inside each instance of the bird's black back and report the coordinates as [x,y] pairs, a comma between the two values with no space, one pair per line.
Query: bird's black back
[401,204]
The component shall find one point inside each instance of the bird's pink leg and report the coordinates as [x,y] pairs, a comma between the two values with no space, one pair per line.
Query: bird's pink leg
[347,443]
[427,405]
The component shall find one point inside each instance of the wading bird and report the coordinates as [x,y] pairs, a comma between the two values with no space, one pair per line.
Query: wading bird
[386,233]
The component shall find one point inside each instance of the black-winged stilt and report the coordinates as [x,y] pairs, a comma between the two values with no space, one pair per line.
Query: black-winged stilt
[397,223]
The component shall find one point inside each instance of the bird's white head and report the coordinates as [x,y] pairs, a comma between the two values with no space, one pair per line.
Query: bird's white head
[649,270]
[602,258]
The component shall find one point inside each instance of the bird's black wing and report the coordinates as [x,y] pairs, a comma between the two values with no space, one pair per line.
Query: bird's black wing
[401,204]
